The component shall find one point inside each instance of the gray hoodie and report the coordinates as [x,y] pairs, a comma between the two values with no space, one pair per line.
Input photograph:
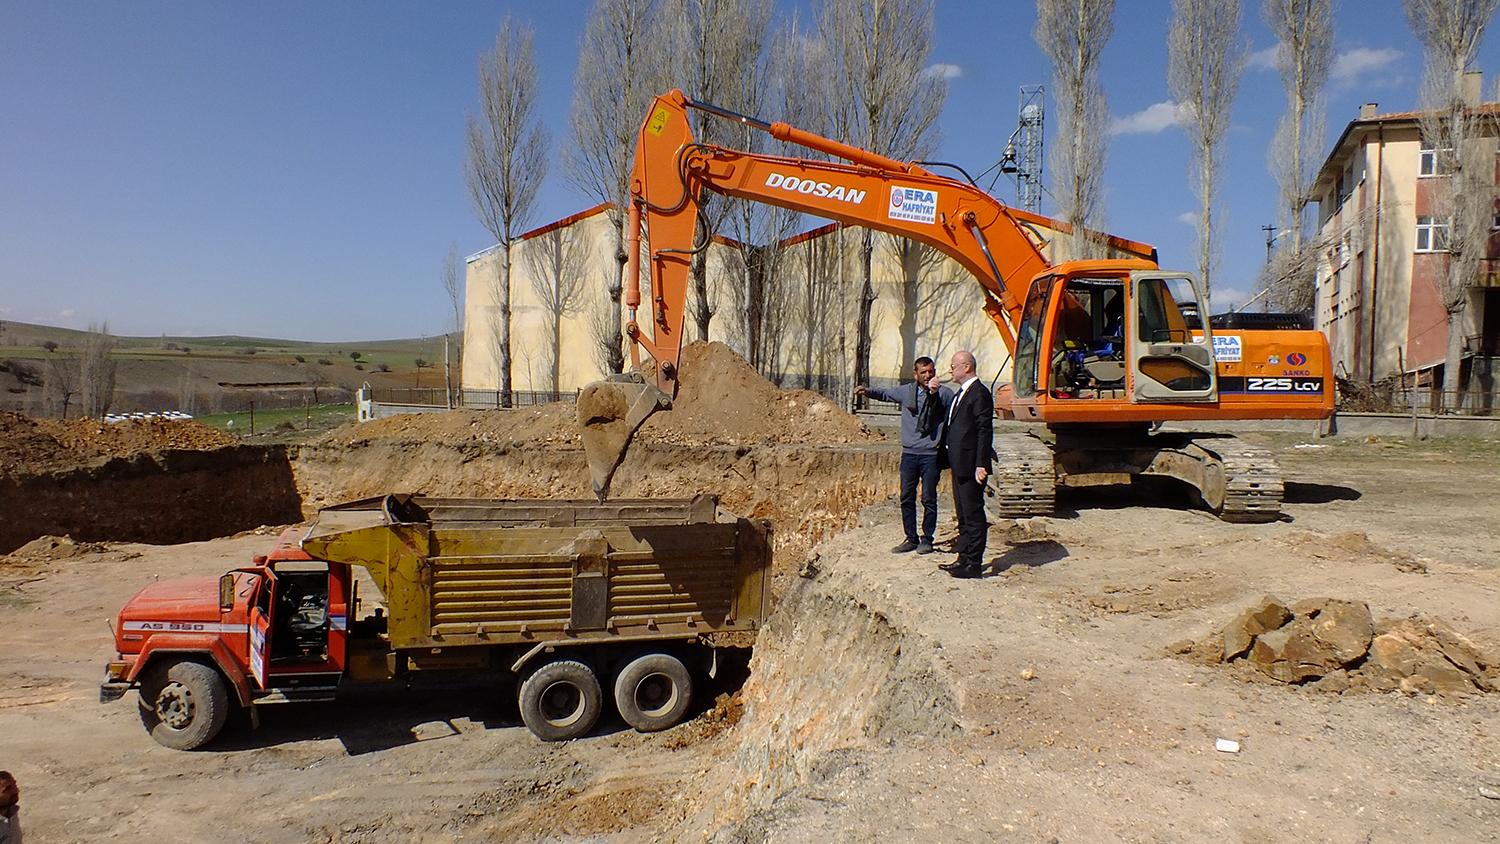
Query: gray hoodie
[907,396]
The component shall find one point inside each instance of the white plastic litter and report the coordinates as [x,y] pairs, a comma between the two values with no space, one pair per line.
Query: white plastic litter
[1225,745]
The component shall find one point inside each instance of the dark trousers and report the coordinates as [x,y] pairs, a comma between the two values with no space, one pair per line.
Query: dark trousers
[968,501]
[923,468]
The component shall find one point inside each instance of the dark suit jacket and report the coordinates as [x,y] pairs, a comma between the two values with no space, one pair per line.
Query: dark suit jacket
[968,441]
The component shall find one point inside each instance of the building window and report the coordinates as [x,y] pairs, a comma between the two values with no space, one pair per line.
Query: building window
[1432,236]
[1427,160]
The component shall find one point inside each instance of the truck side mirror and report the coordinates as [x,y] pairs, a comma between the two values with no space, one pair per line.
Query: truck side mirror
[226,592]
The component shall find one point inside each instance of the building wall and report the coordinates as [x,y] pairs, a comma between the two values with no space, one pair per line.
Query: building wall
[1364,288]
[1382,310]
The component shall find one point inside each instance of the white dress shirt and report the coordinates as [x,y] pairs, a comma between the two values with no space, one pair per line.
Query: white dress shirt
[962,388]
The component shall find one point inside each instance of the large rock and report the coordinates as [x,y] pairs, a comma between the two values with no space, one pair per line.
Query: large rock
[1345,627]
[1293,654]
[1427,658]
[1334,635]
[1266,616]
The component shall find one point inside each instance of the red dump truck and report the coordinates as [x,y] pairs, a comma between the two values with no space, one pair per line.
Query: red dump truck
[568,598]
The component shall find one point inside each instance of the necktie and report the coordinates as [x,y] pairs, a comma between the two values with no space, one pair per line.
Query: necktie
[956,400]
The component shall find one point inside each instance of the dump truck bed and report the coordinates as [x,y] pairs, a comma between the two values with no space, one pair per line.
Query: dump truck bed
[478,571]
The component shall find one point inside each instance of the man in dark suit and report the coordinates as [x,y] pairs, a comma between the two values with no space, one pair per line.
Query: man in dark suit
[968,449]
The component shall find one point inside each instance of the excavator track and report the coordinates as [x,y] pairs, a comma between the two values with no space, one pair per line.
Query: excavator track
[1024,483]
[1252,485]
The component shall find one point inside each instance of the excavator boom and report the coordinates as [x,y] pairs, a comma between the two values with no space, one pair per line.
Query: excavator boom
[998,245]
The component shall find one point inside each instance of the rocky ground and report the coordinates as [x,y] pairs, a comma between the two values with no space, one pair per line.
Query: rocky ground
[1052,700]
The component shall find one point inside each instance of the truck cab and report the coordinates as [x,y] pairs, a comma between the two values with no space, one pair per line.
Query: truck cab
[271,632]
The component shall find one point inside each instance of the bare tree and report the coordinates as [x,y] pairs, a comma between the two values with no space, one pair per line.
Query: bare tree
[1304,56]
[884,98]
[817,306]
[620,68]
[96,373]
[61,386]
[557,260]
[453,285]
[1461,137]
[717,54]
[1073,33]
[937,298]
[507,162]
[1203,74]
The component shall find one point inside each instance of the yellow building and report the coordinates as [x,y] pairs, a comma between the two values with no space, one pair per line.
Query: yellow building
[938,315]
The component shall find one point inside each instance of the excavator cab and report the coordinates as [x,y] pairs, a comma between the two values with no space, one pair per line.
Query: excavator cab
[1087,333]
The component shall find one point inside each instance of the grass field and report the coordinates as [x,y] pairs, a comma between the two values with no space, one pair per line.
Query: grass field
[25,341]
[320,417]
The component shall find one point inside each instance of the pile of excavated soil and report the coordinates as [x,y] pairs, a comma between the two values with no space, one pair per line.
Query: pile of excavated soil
[34,446]
[25,447]
[721,400]
[123,439]
[1336,646]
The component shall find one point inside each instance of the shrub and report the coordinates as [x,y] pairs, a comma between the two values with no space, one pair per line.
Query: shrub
[382,367]
[300,359]
[324,362]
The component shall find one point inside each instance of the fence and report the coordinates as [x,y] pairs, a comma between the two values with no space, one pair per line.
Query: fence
[468,398]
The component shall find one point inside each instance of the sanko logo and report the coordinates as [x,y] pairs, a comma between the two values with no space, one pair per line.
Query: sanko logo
[808,186]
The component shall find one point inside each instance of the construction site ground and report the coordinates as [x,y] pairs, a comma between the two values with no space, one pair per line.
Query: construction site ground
[885,701]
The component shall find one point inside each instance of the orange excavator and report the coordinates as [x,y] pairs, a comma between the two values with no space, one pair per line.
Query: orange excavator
[1104,351]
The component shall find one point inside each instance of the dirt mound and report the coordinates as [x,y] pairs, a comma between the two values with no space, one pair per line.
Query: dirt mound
[55,548]
[35,446]
[25,446]
[724,401]
[1336,646]
[123,439]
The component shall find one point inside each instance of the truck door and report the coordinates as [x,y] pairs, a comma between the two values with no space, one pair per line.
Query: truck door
[260,628]
[1172,348]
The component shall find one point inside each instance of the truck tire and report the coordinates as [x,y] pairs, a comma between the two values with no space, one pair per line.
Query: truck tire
[561,700]
[184,704]
[653,692]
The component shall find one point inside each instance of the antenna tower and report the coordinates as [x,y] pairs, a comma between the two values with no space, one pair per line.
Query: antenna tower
[1028,142]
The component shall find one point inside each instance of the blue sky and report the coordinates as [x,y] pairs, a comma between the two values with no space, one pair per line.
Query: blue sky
[296,169]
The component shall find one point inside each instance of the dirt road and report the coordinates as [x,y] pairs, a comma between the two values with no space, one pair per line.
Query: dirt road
[888,702]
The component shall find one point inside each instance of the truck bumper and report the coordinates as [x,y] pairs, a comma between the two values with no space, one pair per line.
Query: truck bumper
[114,687]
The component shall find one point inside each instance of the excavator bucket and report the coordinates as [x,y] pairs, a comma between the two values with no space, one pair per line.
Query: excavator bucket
[610,412]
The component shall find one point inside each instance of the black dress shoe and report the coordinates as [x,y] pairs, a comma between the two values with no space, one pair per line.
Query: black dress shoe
[961,569]
[904,547]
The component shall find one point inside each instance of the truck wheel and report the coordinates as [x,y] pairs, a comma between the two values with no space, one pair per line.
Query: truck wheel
[184,705]
[561,700]
[653,692]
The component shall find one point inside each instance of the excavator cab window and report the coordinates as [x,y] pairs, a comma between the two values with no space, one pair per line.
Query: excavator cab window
[1171,356]
[1088,342]
[1165,304]
[1029,336]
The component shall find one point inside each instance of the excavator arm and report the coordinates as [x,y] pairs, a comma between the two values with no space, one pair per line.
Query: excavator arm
[1002,247]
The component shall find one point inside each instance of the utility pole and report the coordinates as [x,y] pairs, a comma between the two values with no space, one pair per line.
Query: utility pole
[447,373]
[1271,235]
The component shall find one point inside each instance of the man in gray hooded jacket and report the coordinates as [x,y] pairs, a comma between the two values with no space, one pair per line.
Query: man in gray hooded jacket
[924,409]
